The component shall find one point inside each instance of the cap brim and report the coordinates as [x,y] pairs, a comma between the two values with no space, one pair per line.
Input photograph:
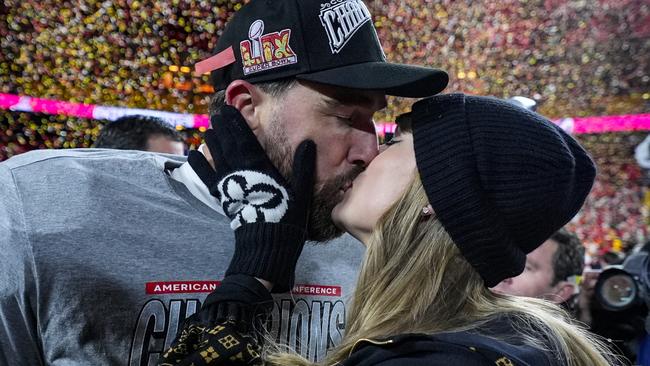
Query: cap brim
[394,79]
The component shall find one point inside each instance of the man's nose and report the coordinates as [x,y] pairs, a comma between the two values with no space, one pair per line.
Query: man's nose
[363,149]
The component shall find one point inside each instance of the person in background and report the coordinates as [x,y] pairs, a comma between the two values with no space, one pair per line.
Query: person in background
[551,271]
[140,133]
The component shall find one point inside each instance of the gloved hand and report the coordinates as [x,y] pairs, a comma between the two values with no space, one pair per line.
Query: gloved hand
[214,345]
[269,214]
[224,332]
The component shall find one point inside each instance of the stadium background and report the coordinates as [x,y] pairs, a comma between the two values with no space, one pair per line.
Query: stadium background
[576,58]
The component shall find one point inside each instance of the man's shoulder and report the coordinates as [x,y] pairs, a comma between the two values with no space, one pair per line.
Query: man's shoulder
[41,158]
[334,265]
[344,247]
[86,175]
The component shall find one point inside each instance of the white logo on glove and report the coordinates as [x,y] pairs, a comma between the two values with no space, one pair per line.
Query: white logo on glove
[248,196]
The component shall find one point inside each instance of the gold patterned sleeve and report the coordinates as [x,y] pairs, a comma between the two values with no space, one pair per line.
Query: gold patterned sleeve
[221,344]
[225,330]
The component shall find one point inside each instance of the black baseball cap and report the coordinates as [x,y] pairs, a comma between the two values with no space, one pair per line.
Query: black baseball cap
[330,42]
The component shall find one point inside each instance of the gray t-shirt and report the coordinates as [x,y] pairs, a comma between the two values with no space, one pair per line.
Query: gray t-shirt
[103,255]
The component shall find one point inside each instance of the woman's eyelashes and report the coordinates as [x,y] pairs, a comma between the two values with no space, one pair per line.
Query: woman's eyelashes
[391,141]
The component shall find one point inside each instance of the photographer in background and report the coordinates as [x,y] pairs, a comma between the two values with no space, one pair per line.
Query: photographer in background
[614,303]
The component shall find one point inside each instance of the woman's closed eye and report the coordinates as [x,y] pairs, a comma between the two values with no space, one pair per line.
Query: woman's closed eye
[392,141]
[387,144]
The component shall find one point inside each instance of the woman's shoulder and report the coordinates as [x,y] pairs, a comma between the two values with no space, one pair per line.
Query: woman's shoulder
[454,348]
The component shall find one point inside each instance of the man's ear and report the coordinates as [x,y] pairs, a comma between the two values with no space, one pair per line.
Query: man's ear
[247,98]
[563,292]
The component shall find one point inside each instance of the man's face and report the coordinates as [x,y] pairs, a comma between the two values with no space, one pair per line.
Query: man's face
[537,278]
[340,122]
[163,144]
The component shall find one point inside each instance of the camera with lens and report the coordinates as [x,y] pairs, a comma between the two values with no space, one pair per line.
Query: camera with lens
[622,295]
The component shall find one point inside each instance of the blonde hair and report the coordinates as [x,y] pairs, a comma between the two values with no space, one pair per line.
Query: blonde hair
[415,280]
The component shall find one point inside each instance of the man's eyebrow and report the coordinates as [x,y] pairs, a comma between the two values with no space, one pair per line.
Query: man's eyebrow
[340,99]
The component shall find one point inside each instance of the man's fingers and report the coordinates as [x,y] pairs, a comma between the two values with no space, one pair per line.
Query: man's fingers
[213,139]
[239,131]
[304,168]
[237,137]
[204,170]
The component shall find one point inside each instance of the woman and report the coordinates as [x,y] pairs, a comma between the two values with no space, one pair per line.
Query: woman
[449,208]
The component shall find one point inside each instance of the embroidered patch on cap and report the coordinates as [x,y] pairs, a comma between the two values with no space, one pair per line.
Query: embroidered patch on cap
[266,51]
[341,19]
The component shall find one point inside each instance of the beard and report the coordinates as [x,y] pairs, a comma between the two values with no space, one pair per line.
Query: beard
[326,194]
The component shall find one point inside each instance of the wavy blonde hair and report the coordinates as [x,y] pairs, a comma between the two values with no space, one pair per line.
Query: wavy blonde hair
[415,280]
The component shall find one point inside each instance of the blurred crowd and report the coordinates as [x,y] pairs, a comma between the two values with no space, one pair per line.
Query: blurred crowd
[615,216]
[577,57]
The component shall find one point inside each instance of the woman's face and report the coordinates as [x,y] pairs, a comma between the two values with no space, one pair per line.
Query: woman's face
[377,188]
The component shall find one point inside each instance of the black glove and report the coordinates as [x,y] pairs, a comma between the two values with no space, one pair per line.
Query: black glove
[269,214]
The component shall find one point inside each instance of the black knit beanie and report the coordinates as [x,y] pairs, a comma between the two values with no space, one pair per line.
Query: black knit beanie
[500,179]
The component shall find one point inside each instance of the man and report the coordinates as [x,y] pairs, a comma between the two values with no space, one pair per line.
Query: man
[140,133]
[550,270]
[103,255]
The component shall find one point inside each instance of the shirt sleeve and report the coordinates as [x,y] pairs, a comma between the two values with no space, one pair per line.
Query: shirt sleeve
[19,343]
